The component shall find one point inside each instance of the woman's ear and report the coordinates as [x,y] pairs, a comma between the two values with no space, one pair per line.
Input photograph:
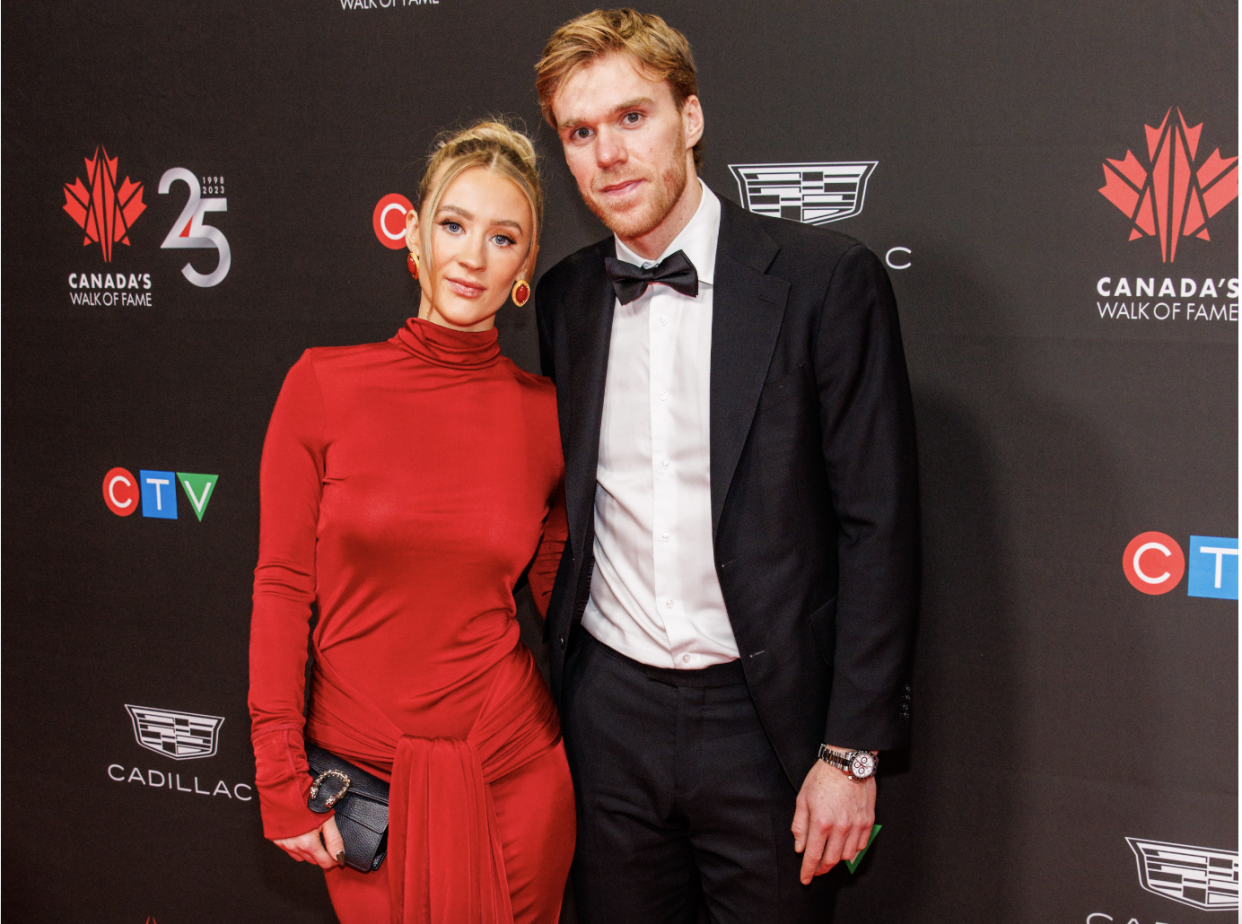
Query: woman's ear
[411,232]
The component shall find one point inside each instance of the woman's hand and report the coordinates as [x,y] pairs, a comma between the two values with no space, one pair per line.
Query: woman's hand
[309,848]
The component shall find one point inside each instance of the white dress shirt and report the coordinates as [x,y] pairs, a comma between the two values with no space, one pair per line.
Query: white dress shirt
[655,596]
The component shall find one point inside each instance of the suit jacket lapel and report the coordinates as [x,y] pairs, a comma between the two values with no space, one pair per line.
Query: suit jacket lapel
[747,310]
[589,325]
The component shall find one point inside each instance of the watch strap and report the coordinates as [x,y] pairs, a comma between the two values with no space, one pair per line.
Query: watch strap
[844,762]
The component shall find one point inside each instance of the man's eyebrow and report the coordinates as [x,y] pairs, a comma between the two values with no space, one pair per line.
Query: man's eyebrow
[612,114]
[458,210]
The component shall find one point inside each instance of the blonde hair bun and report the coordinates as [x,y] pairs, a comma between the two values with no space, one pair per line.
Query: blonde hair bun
[489,143]
[489,134]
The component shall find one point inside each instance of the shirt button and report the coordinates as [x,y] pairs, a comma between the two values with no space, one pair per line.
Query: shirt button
[669,603]
[685,659]
[663,322]
[663,396]
[664,464]
[664,536]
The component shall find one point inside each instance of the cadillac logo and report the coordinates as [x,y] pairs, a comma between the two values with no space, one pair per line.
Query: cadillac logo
[814,194]
[179,735]
[1196,876]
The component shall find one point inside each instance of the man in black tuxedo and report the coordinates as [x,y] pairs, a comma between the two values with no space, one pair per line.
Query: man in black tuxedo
[733,617]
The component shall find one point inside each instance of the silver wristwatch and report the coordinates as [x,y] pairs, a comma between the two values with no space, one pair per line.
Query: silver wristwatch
[857,765]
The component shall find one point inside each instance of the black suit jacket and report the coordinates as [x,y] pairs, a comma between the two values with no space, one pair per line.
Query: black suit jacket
[813,474]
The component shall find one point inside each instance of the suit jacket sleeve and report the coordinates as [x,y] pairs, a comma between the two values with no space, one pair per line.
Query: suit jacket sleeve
[867,425]
[543,320]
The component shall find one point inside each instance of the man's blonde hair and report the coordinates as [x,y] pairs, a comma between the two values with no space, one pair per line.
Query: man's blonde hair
[490,144]
[661,52]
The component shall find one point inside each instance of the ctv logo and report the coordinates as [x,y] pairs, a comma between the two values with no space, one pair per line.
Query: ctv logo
[156,492]
[1154,563]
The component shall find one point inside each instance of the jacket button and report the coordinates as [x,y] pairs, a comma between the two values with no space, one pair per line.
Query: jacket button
[561,641]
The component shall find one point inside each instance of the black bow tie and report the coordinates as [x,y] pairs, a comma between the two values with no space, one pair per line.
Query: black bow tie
[631,281]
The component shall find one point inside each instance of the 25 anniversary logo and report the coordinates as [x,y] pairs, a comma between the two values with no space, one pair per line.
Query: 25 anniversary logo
[105,207]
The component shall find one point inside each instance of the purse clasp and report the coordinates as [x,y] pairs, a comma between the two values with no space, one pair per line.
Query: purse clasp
[331,800]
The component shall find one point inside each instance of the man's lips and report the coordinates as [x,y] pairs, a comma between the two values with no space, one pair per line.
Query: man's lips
[623,188]
[465,289]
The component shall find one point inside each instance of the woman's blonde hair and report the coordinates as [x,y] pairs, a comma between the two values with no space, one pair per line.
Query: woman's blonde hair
[659,50]
[488,143]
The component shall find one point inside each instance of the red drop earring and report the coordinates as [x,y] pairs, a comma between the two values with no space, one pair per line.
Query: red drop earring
[521,292]
[411,264]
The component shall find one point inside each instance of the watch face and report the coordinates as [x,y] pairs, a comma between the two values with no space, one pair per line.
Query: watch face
[863,765]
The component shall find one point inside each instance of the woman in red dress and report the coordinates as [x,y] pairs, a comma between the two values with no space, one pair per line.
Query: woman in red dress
[405,487]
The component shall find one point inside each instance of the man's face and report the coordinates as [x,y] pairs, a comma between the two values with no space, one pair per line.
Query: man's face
[625,142]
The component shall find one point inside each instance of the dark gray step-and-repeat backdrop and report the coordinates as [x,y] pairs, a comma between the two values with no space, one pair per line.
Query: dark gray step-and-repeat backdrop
[193,193]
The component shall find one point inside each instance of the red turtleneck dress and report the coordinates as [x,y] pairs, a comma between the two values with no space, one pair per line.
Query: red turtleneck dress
[405,486]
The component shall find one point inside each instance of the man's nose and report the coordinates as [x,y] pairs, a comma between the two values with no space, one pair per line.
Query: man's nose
[609,149]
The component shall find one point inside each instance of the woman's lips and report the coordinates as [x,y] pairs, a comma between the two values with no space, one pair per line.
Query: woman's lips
[465,289]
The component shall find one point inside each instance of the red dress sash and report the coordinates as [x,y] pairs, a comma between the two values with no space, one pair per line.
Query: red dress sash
[443,841]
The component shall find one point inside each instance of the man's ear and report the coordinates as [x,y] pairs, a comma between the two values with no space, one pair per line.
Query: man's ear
[692,120]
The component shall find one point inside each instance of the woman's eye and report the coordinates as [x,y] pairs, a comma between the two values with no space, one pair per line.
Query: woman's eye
[450,226]
[503,240]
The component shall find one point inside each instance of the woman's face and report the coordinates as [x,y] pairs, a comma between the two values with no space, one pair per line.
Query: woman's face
[481,244]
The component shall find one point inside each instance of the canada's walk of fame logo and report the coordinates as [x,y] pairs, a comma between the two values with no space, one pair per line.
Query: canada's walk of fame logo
[103,209]
[1171,197]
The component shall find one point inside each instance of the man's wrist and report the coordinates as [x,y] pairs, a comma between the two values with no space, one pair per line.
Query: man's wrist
[859,766]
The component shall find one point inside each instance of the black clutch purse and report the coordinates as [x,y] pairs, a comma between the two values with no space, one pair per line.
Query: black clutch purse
[360,801]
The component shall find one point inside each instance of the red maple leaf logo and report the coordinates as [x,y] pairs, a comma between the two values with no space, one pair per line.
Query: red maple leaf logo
[102,210]
[1172,198]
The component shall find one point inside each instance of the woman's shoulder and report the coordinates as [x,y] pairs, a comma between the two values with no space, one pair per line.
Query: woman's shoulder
[539,387]
[336,362]
[345,356]
[330,373]
[538,401]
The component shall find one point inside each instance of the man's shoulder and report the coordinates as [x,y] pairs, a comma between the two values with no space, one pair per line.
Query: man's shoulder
[569,271]
[798,243]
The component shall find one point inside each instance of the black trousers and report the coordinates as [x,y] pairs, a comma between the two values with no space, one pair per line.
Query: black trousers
[681,800]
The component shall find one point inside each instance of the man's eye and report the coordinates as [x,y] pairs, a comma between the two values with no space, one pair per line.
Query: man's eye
[582,133]
[632,117]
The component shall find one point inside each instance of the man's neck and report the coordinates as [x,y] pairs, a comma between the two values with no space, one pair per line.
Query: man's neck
[650,245]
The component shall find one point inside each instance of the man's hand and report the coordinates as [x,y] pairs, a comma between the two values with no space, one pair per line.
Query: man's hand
[832,820]
[308,848]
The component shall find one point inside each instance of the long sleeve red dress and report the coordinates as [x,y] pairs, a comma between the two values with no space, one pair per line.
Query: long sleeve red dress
[405,486]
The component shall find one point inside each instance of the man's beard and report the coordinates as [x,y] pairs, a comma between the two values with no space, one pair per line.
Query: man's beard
[638,221]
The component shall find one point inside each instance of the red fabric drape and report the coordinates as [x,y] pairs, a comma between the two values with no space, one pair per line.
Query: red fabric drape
[443,844]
